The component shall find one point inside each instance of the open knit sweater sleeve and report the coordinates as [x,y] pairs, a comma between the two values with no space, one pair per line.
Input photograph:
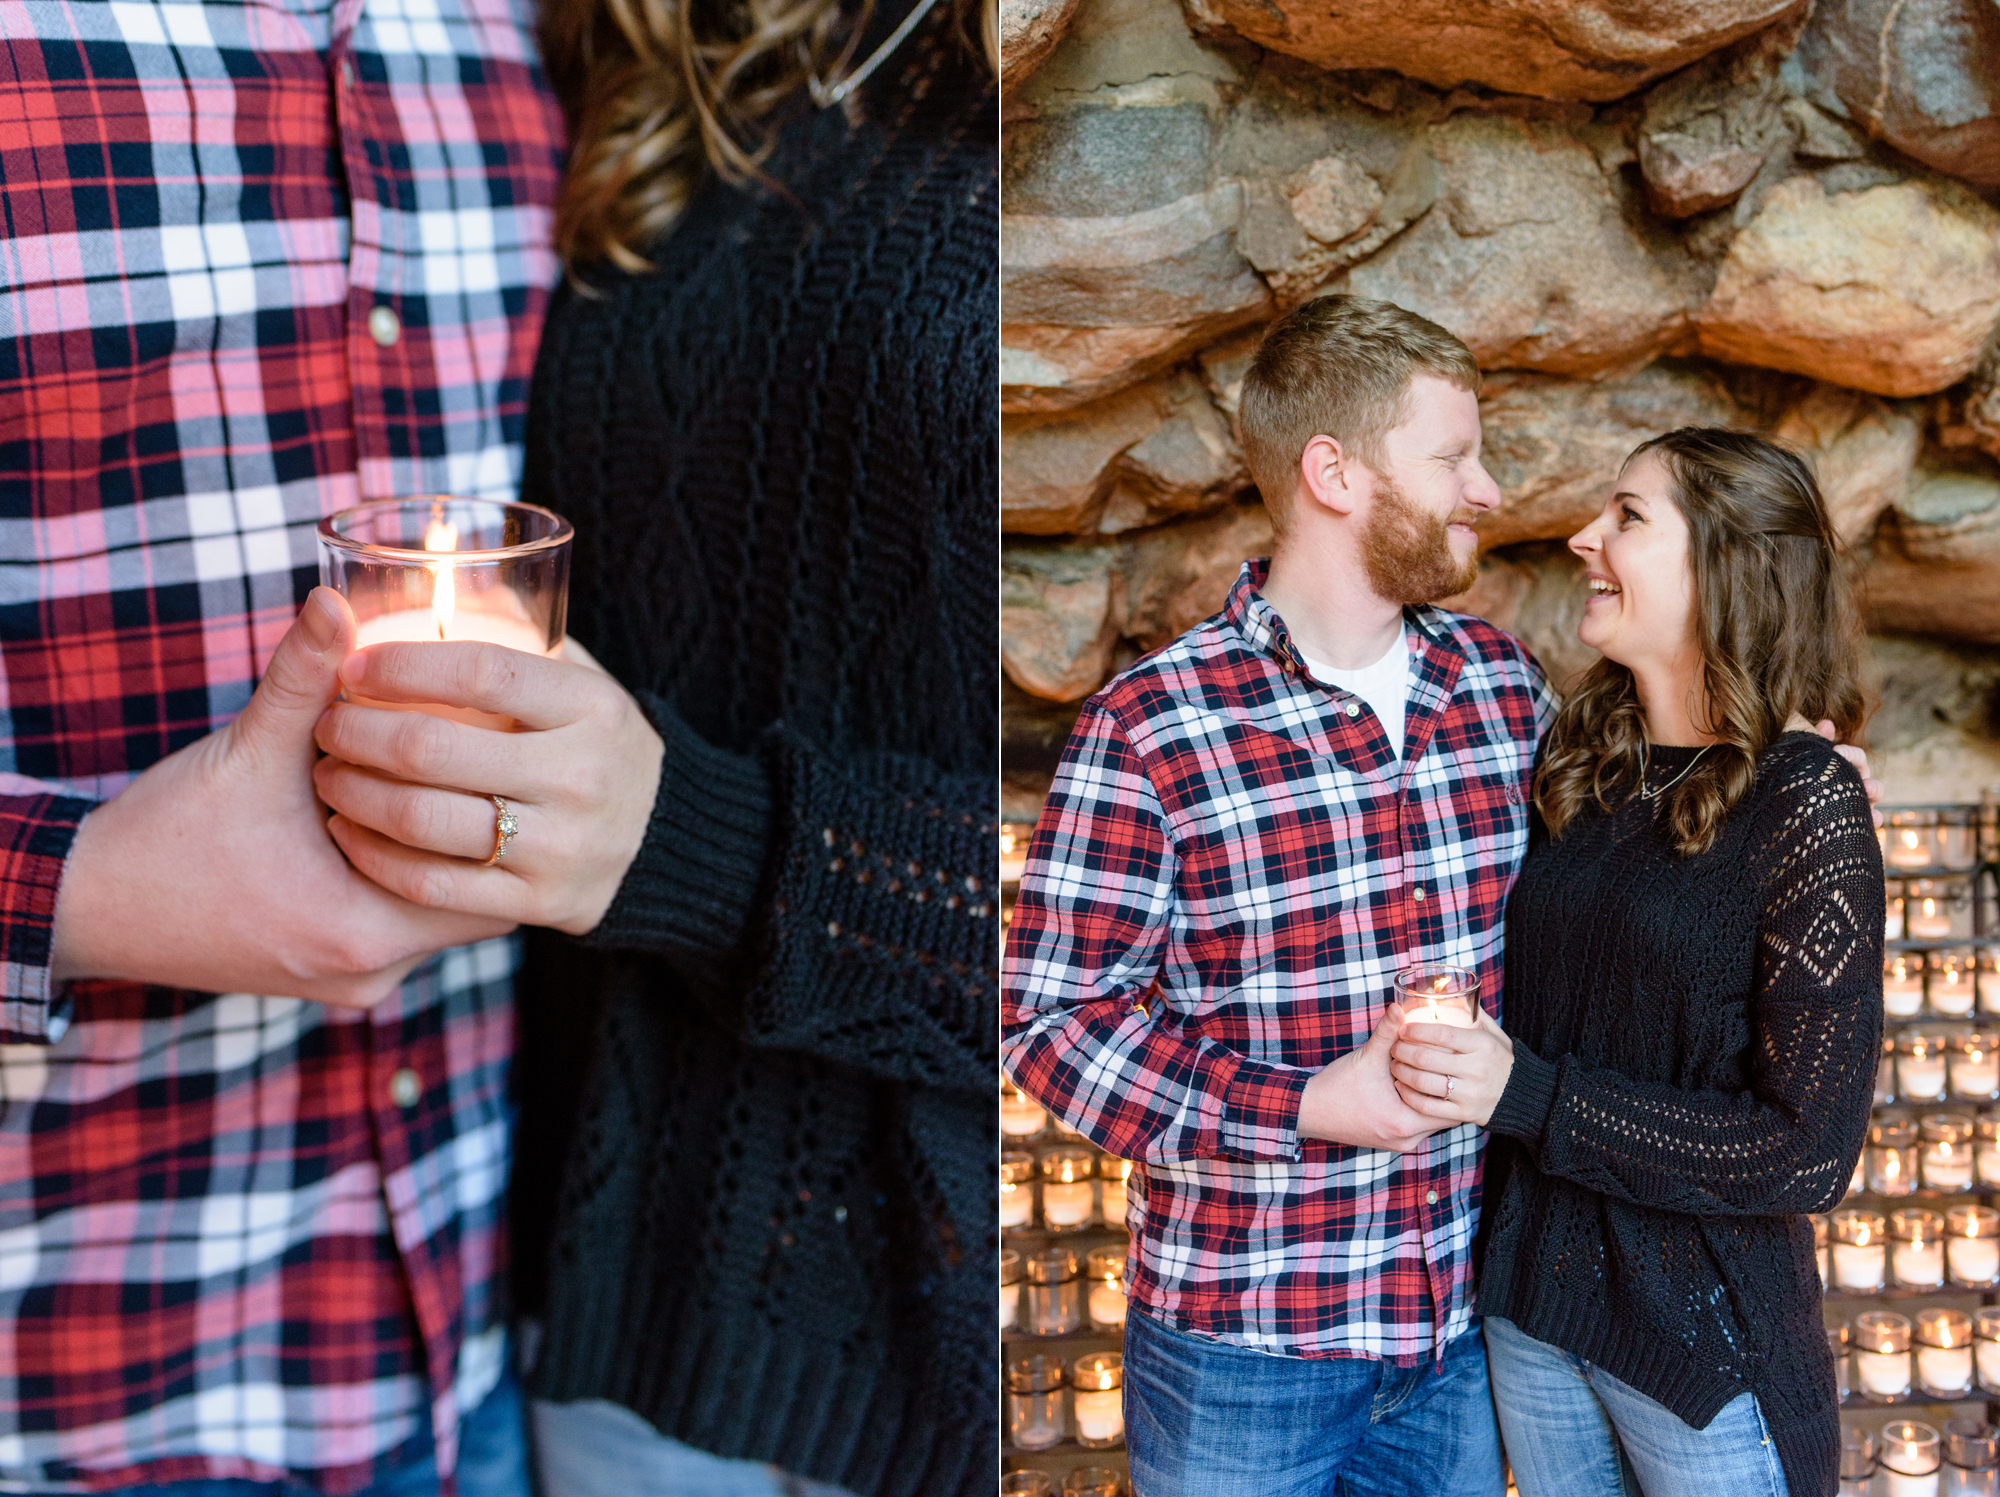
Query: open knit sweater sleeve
[1785,1140]
[790,856]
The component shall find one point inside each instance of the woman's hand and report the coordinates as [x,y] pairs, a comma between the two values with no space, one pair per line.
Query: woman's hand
[1452,1075]
[413,792]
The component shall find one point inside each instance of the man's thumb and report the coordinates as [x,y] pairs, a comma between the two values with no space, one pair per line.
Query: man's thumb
[302,679]
[1390,1029]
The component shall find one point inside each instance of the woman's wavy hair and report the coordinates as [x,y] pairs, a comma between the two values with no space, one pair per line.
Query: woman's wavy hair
[660,93]
[1775,623]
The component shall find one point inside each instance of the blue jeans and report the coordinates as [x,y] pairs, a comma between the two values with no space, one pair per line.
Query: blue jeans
[1574,1430]
[492,1462]
[595,1448]
[1204,1418]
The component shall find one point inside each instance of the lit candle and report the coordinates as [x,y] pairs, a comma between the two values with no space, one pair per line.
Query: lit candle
[1903,986]
[1986,1346]
[1099,1400]
[1892,925]
[1909,842]
[1860,1252]
[1920,1069]
[1947,1152]
[1439,995]
[1916,1251]
[1010,1289]
[1951,984]
[1014,841]
[1114,1173]
[1972,1246]
[1454,1012]
[1928,919]
[1986,1149]
[1975,1067]
[1104,1269]
[1881,1341]
[1956,845]
[1017,1190]
[1944,1352]
[1910,1459]
[1986,978]
[1021,1116]
[1068,1197]
[1892,1158]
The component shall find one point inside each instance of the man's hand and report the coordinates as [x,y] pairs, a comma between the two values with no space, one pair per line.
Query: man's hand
[1354,1100]
[1858,757]
[214,870]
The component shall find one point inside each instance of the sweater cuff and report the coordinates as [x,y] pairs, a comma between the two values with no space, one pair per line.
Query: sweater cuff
[694,881]
[1524,1107]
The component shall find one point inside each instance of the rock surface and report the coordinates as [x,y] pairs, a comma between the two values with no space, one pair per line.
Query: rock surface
[1535,593]
[1029,31]
[1892,289]
[1922,74]
[1057,627]
[1708,130]
[1556,49]
[1936,562]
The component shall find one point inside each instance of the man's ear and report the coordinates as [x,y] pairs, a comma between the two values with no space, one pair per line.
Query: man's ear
[1330,476]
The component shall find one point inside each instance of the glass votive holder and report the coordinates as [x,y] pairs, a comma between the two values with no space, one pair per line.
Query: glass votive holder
[1434,993]
[1986,977]
[1944,1352]
[1104,1283]
[1952,990]
[1986,1347]
[1916,1249]
[1028,1483]
[1017,1189]
[1912,839]
[1986,1148]
[1014,839]
[1054,1296]
[1974,1064]
[1892,1157]
[1860,1251]
[1857,1461]
[1972,1247]
[1909,1449]
[1097,1383]
[1836,1345]
[1946,1151]
[1822,1236]
[1920,1068]
[1115,1174]
[1938,909]
[1021,1116]
[1885,1073]
[1903,984]
[1035,1418]
[1010,1289]
[1069,1194]
[1957,837]
[1881,1341]
[1971,1458]
[1892,895]
[1093,1481]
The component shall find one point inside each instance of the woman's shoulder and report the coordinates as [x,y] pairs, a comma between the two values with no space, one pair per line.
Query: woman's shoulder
[1807,793]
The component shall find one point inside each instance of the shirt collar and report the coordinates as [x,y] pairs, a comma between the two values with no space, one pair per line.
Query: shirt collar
[1250,613]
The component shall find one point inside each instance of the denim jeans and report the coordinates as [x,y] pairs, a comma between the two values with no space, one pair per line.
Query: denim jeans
[1204,1418]
[1574,1430]
[492,1462]
[594,1448]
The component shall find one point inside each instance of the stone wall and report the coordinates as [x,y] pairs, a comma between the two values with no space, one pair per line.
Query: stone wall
[1727,211]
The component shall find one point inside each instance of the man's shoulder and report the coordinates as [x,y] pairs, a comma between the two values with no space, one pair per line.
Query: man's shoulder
[1486,645]
[1186,668]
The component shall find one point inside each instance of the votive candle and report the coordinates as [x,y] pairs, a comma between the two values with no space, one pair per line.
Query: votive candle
[1821,1237]
[1860,1251]
[1104,1272]
[1952,990]
[1903,985]
[1916,1249]
[1010,1289]
[1947,1151]
[1017,1189]
[1014,840]
[1975,1066]
[1114,1173]
[1972,1246]
[1892,1158]
[1920,1068]
[1986,1147]
[1944,1352]
[1910,839]
[1021,1116]
[1881,1341]
[1099,1399]
[1068,1196]
[1909,1458]
[1986,1346]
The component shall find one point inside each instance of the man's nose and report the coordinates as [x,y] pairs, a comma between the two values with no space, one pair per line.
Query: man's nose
[1482,493]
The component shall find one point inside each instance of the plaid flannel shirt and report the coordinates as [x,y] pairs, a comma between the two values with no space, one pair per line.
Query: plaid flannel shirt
[259,261]
[1231,867]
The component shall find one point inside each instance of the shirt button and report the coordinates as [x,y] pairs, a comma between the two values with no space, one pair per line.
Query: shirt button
[1431,1197]
[1418,892]
[1353,709]
[405,1088]
[346,73]
[384,326]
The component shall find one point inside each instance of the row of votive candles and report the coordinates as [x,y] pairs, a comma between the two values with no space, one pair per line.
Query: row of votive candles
[1942,1354]
[1909,1459]
[1928,909]
[1862,1252]
[1036,1414]
[1952,984]
[1048,1294]
[1936,1062]
[1946,838]
[1945,1151]
[1079,1188]
[1082,1481]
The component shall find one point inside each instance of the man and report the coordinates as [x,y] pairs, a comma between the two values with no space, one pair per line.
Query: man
[257,264]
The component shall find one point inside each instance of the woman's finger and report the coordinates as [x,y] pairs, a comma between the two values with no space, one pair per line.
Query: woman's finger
[1430,1083]
[534,690]
[1454,1038]
[429,750]
[429,880]
[418,816]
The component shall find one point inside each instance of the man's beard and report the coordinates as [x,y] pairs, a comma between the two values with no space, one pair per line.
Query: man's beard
[1407,552]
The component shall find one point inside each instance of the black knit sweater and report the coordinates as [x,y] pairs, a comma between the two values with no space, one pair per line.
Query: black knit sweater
[1694,1058]
[756,1153]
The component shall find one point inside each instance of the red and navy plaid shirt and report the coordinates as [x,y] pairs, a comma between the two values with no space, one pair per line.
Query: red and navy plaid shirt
[1231,867]
[257,262]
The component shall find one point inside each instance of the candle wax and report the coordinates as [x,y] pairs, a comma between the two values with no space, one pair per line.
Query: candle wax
[1973,1260]
[1020,1118]
[1945,1370]
[1988,1353]
[1976,1078]
[420,625]
[1010,1305]
[1114,1203]
[1909,849]
[1896,1484]
[1884,1374]
[1919,1265]
[1921,1078]
[1928,921]
[1066,1203]
[1988,1158]
[1859,1265]
[1017,1205]
[1107,1303]
[1902,997]
[1100,1413]
[1952,998]
[1954,1173]
[1430,1013]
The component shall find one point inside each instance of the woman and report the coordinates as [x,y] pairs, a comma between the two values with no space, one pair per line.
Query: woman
[756,1163]
[1693,1003]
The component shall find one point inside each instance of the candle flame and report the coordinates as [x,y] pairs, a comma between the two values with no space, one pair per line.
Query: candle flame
[1910,839]
[442,536]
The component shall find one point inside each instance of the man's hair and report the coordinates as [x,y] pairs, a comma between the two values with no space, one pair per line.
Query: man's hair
[1340,367]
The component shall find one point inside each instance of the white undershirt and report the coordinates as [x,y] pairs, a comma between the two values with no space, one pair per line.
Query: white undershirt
[1383,685]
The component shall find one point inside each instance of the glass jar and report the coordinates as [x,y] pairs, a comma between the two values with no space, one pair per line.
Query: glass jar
[1986,977]
[1972,1247]
[1903,984]
[1104,1281]
[1885,1074]
[1986,1347]
[1093,1481]
[1116,1174]
[1892,1158]
[1957,838]
[1975,1066]
[1946,1149]
[1908,1452]
[1912,839]
[1035,1401]
[1857,1461]
[1017,1189]
[1021,1116]
[1916,1249]
[1920,1075]
[1938,909]
[1952,991]
[1836,1345]
[1971,1458]
[1054,1297]
[1820,1240]
[1892,924]
[1944,1352]
[1860,1251]
[1014,839]
[1098,1400]
[1881,1341]
[1069,1195]
[1010,1289]
[1027,1484]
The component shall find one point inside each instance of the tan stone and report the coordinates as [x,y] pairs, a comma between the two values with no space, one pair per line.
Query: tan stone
[1935,567]
[1057,626]
[1061,368]
[1532,257]
[1140,457]
[1708,130]
[1178,575]
[1862,450]
[1893,289]
[1535,592]
[1029,31]
[1558,49]
[1969,414]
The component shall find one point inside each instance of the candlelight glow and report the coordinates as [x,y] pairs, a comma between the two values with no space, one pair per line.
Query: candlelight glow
[442,536]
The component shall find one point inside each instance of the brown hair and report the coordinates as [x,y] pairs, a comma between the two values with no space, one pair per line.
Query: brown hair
[662,92]
[1341,367]
[1774,621]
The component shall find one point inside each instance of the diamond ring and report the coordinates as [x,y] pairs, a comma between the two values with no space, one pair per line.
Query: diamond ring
[504,827]
[1449,1081]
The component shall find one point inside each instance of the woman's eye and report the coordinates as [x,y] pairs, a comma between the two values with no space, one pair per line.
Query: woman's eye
[1625,513]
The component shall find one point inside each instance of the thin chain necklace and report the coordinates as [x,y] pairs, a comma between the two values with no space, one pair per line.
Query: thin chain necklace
[826,95]
[1645,794]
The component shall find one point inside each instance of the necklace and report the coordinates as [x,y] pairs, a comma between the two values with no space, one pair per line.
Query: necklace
[1645,794]
[827,95]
